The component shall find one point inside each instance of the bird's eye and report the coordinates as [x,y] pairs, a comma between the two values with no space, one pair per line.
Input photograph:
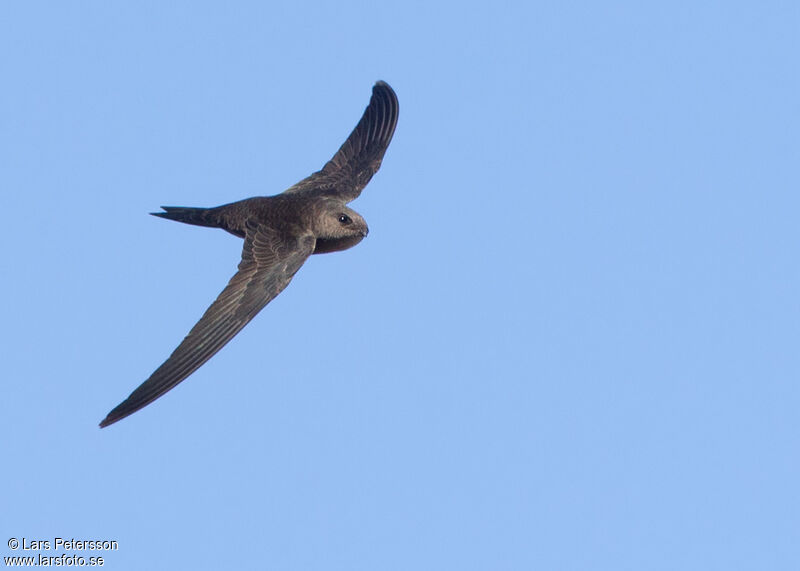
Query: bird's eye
[344,219]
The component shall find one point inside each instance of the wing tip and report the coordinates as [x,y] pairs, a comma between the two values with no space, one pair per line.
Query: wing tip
[122,410]
[114,416]
[385,105]
[383,87]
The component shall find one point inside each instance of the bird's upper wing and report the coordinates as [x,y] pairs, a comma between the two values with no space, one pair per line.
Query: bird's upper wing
[269,261]
[351,168]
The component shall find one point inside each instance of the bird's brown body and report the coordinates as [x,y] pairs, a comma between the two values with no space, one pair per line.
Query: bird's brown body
[287,213]
[280,232]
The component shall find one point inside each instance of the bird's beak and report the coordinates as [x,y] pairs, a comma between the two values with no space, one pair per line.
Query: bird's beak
[364,232]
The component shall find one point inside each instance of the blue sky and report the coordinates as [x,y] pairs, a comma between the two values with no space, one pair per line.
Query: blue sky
[569,341]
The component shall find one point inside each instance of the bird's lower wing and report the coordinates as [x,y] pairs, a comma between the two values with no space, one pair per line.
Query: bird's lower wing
[269,261]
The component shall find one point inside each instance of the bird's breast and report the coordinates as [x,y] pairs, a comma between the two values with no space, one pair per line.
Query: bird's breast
[325,245]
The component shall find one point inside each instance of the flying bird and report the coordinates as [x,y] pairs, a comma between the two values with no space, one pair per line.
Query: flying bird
[280,232]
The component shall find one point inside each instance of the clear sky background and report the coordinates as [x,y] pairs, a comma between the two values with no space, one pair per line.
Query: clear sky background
[569,342]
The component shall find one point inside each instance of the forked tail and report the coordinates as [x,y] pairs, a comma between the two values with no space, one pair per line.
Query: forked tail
[189,215]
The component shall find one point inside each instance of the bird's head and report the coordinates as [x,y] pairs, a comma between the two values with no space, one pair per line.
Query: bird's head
[338,227]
